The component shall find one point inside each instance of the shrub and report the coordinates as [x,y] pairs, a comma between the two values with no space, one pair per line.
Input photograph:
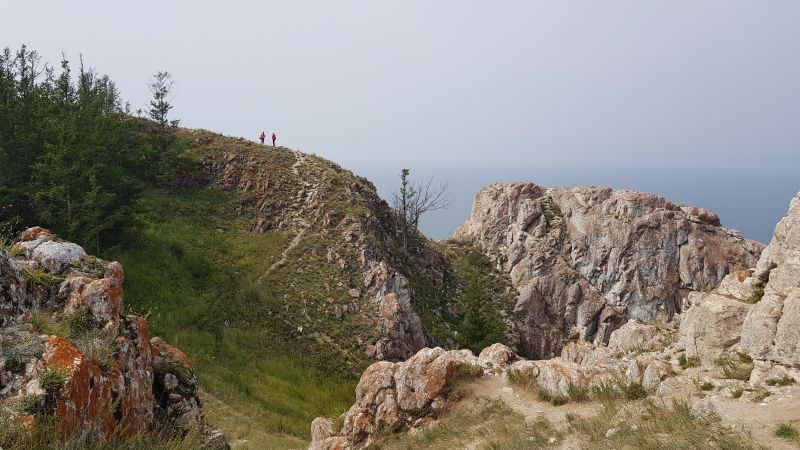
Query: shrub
[18,353]
[52,378]
[48,324]
[783,381]
[707,386]
[634,391]
[687,362]
[737,367]
[32,404]
[786,430]
[40,278]
[81,320]
[756,294]
[577,393]
[98,345]
[518,378]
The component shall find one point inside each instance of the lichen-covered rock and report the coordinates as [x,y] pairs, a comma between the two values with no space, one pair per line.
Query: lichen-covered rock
[428,374]
[51,254]
[585,260]
[103,297]
[109,378]
[391,396]
[497,356]
[84,402]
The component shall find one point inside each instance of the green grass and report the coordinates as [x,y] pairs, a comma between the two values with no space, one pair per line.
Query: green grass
[52,378]
[199,289]
[787,431]
[650,424]
[687,362]
[44,436]
[40,278]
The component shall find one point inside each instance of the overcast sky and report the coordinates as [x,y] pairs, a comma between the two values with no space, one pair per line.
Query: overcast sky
[667,83]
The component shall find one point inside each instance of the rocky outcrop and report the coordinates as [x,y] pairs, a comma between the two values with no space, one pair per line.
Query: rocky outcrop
[67,350]
[771,329]
[318,201]
[393,396]
[585,260]
[755,311]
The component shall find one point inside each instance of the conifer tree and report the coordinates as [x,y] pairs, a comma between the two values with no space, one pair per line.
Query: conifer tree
[160,105]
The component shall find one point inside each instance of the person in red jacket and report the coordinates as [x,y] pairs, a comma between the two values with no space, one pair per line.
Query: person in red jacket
[273,139]
[262,137]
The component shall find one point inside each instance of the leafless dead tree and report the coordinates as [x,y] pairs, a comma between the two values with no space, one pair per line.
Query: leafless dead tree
[413,200]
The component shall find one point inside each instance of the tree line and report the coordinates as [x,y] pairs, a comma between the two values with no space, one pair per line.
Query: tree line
[72,156]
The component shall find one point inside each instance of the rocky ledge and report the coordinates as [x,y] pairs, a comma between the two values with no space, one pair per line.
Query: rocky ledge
[585,260]
[68,351]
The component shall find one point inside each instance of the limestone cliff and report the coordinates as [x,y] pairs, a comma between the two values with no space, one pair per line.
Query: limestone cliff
[69,352]
[585,260]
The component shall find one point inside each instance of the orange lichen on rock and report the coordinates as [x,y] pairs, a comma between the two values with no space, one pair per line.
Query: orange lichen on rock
[164,350]
[103,297]
[136,404]
[31,234]
[84,402]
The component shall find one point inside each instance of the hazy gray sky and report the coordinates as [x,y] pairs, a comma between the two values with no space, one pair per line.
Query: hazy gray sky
[678,83]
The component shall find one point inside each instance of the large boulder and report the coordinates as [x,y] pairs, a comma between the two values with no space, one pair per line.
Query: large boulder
[634,335]
[585,260]
[391,396]
[712,324]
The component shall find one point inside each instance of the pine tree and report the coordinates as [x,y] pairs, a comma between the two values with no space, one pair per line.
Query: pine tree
[160,105]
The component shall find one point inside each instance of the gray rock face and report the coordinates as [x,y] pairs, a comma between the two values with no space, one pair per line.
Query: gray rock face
[712,324]
[400,327]
[52,255]
[771,330]
[585,260]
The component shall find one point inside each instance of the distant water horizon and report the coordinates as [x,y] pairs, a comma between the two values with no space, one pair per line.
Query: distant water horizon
[750,200]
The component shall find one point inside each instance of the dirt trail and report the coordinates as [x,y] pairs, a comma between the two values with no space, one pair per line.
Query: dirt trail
[526,403]
[285,254]
[294,218]
[762,418]
[759,420]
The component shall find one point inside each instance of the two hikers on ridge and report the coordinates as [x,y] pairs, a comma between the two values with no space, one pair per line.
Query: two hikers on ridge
[263,136]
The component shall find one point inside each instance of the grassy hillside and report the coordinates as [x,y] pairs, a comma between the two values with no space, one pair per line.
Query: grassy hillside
[252,273]
[190,268]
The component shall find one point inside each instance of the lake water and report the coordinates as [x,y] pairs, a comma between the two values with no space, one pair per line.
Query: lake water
[749,200]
